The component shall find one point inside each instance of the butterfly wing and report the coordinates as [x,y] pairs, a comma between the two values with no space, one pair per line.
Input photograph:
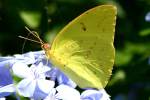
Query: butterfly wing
[84,49]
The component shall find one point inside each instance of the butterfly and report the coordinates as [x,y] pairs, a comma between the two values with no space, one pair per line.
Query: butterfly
[84,49]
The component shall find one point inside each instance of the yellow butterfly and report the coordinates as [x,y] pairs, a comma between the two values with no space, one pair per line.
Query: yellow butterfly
[84,49]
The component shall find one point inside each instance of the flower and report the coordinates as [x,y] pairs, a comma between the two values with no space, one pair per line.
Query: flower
[2,98]
[40,80]
[5,75]
[51,95]
[6,81]
[95,95]
[65,92]
[56,75]
[34,84]
[6,90]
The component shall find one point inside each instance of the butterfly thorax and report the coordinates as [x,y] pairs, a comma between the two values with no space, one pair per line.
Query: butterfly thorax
[50,55]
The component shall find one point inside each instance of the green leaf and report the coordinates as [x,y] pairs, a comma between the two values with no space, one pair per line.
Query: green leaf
[145,32]
[31,18]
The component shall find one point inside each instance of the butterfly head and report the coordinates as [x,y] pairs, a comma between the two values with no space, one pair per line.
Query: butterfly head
[45,46]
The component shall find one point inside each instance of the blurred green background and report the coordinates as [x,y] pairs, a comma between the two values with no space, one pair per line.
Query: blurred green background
[131,74]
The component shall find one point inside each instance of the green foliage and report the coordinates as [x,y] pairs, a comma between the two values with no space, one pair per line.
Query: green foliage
[32,19]
[131,73]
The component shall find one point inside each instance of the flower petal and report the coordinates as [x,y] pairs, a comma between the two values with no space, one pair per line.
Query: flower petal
[95,95]
[39,94]
[21,70]
[105,95]
[63,79]
[43,88]
[91,95]
[39,54]
[2,98]
[26,87]
[67,93]
[53,73]
[27,58]
[41,68]
[51,95]
[45,85]
[7,90]
[5,75]
[5,58]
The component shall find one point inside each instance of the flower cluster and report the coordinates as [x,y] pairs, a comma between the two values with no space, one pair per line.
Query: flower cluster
[32,75]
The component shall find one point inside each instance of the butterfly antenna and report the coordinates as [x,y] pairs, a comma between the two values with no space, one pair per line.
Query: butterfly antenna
[25,38]
[38,37]
[29,39]
[35,34]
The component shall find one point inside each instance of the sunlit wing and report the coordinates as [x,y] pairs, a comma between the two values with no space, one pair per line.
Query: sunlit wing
[84,49]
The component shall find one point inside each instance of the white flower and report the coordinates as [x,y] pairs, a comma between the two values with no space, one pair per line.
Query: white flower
[34,84]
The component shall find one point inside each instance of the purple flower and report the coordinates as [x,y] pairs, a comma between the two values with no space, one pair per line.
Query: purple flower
[6,80]
[56,74]
[95,95]
[5,75]
[40,80]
